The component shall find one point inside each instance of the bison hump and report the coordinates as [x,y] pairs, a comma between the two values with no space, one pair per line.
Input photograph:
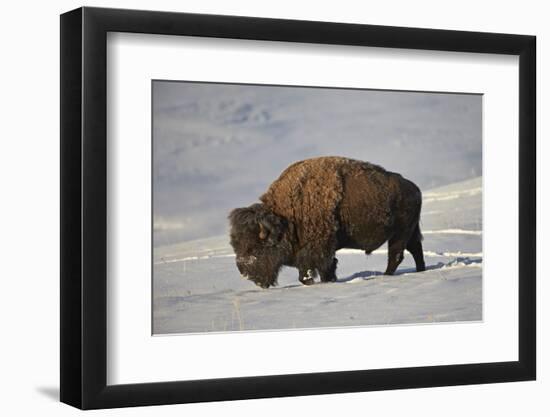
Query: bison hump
[308,193]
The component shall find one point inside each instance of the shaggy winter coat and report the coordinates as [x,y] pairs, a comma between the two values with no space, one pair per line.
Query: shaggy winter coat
[320,205]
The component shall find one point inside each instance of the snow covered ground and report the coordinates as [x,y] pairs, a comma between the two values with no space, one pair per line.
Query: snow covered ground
[219,146]
[197,288]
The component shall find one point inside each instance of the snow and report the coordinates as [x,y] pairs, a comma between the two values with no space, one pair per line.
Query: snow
[197,287]
[219,146]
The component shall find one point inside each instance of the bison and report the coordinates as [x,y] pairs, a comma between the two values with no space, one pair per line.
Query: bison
[318,206]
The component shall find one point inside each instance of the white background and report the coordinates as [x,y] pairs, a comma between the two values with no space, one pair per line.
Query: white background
[29,213]
[134,356]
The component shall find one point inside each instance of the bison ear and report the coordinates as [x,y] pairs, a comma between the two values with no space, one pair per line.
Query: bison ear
[272,227]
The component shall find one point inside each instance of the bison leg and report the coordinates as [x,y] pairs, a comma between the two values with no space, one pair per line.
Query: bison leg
[395,255]
[329,275]
[414,246]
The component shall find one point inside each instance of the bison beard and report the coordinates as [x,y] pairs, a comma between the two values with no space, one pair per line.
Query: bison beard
[318,206]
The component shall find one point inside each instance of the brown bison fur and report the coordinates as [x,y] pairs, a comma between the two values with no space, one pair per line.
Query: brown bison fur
[320,205]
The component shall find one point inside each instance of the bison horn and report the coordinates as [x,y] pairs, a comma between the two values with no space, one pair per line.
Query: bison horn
[264,232]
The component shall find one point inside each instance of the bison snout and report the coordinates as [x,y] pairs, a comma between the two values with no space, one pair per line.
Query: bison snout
[243,264]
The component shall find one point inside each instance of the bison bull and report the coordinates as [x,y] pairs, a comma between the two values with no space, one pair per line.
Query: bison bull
[318,206]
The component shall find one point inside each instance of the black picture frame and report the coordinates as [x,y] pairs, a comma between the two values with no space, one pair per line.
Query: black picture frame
[84,207]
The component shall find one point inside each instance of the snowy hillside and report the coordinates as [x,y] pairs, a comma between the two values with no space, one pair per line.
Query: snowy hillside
[219,146]
[197,287]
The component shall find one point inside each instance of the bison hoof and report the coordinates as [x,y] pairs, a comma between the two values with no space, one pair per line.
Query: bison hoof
[308,281]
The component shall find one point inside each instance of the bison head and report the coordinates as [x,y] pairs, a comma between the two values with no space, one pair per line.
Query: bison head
[258,239]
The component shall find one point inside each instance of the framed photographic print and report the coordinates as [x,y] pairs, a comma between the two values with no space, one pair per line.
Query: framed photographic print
[258,207]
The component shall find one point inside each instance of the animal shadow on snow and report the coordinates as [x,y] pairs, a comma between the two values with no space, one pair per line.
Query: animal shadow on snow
[440,265]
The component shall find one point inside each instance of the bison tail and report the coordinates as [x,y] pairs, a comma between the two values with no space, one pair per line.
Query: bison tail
[417,234]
